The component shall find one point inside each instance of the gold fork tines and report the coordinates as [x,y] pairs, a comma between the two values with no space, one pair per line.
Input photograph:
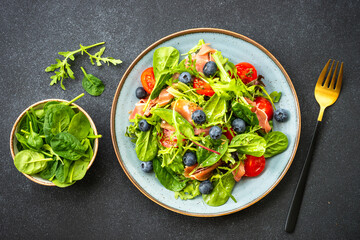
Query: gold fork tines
[326,93]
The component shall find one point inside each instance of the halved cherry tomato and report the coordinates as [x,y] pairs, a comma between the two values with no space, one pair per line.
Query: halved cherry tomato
[167,140]
[228,134]
[265,105]
[203,87]
[254,165]
[246,72]
[148,79]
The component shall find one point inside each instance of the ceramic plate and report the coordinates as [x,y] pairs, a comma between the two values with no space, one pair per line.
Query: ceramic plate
[237,48]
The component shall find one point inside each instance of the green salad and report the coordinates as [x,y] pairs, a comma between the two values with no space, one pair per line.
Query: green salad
[55,143]
[203,123]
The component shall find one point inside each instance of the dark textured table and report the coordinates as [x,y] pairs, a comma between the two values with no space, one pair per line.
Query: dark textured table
[105,204]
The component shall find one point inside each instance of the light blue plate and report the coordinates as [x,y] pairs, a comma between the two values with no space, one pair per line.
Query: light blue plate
[238,49]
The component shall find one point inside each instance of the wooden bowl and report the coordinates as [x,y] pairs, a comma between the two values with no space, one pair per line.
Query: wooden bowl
[40,104]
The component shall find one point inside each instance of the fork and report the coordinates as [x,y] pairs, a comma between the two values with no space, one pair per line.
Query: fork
[326,93]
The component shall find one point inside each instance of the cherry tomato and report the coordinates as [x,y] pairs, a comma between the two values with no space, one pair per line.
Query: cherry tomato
[167,139]
[228,134]
[265,105]
[246,72]
[148,79]
[254,165]
[203,87]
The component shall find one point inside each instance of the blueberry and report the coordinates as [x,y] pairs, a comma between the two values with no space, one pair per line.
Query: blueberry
[146,166]
[215,132]
[185,77]
[198,116]
[206,187]
[210,68]
[140,93]
[189,159]
[238,125]
[144,125]
[281,115]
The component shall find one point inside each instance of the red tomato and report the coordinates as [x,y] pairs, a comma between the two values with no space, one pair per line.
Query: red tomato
[254,165]
[148,79]
[246,72]
[228,134]
[203,87]
[166,139]
[265,105]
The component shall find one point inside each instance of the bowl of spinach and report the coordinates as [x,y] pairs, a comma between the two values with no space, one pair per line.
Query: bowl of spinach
[54,142]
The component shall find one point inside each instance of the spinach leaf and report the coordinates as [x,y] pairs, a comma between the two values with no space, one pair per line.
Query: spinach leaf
[34,140]
[249,143]
[215,108]
[166,178]
[184,126]
[221,192]
[244,112]
[93,85]
[190,191]
[79,126]
[67,146]
[50,170]
[30,162]
[57,119]
[79,170]
[213,157]
[62,184]
[62,171]
[276,142]
[164,59]
[23,141]
[275,96]
[146,145]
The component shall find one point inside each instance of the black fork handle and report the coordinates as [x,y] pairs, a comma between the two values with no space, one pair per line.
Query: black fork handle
[299,192]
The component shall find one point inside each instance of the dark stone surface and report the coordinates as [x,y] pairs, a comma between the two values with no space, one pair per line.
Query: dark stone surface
[301,35]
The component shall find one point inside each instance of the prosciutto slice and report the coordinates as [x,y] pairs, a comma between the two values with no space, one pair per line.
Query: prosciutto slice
[203,56]
[164,98]
[261,115]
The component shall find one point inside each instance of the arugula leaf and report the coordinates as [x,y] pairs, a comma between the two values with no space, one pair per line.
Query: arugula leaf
[275,96]
[276,142]
[215,108]
[97,57]
[195,48]
[249,143]
[220,61]
[93,85]
[190,191]
[62,68]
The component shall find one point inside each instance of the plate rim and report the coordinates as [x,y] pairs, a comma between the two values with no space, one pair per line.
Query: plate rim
[178,34]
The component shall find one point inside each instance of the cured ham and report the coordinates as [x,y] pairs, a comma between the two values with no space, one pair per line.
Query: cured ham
[139,106]
[239,172]
[261,115]
[185,108]
[203,56]
[164,98]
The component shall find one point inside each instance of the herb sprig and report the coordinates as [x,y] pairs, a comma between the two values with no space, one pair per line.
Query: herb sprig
[62,68]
